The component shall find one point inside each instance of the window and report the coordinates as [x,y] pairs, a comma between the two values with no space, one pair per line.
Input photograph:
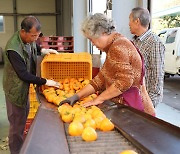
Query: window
[98,7]
[1,24]
[171,36]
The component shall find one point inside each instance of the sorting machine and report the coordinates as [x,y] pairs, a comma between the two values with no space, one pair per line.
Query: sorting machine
[134,130]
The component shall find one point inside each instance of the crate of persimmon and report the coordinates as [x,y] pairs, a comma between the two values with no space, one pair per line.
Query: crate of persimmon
[72,70]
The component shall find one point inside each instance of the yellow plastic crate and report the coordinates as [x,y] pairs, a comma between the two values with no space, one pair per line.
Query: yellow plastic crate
[32,96]
[31,115]
[33,102]
[67,65]
[32,110]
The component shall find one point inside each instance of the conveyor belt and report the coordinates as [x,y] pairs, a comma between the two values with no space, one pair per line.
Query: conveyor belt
[136,130]
[107,143]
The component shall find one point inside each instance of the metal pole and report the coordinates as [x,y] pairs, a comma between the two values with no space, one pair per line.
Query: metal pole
[59,20]
[15,16]
[79,13]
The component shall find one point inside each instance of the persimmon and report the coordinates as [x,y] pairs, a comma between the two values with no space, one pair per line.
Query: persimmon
[78,91]
[65,81]
[71,86]
[50,97]
[89,111]
[76,85]
[90,123]
[72,91]
[59,99]
[56,100]
[48,92]
[61,86]
[87,116]
[80,79]
[66,87]
[60,92]
[79,118]
[86,99]
[69,95]
[93,96]
[76,105]
[106,125]
[63,108]
[128,152]
[85,82]
[75,110]
[93,107]
[67,116]
[83,110]
[89,134]
[100,114]
[98,121]
[75,128]
[45,91]
[71,83]
[96,113]
[78,113]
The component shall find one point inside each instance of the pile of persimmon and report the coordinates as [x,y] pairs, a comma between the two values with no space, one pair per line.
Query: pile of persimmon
[67,89]
[128,152]
[84,121]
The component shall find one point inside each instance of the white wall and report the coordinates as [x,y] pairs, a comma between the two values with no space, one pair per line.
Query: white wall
[120,13]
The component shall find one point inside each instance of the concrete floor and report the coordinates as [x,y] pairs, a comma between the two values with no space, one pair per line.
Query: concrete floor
[168,110]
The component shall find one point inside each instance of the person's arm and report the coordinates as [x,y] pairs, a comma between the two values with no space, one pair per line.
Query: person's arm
[43,51]
[98,82]
[86,91]
[21,70]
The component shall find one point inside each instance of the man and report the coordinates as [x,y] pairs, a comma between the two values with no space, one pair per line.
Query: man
[19,71]
[152,50]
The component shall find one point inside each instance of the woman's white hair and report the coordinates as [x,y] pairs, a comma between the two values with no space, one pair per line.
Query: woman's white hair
[96,25]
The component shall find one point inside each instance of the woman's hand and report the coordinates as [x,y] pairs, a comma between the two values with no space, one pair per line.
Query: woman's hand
[93,102]
[107,94]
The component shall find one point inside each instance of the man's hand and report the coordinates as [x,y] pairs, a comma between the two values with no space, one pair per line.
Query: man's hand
[71,100]
[48,51]
[52,83]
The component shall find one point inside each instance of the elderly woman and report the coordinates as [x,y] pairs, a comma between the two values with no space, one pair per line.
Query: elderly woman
[122,68]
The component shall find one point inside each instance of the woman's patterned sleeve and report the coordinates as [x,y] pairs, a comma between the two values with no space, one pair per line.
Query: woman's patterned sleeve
[98,82]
